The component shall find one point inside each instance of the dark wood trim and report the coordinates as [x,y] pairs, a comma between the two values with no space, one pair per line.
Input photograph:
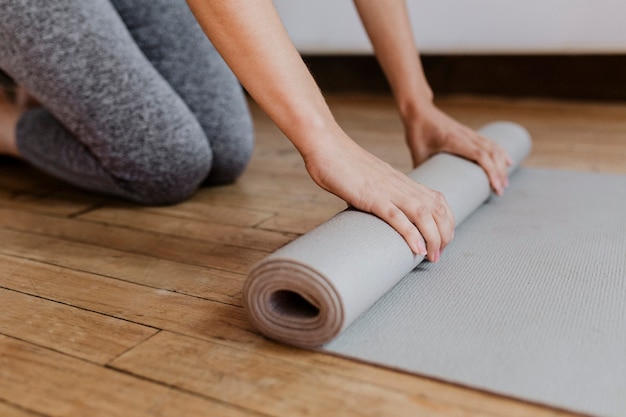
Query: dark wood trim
[594,77]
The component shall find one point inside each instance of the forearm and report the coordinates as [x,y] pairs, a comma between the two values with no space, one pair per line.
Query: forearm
[389,29]
[253,41]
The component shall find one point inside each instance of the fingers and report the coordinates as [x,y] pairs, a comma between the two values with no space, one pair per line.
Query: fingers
[437,132]
[420,215]
[437,225]
[397,219]
[494,160]
[423,218]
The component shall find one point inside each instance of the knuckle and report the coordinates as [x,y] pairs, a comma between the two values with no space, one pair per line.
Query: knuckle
[481,154]
[421,211]
[441,210]
[439,197]
[494,153]
[392,212]
[440,201]
[411,232]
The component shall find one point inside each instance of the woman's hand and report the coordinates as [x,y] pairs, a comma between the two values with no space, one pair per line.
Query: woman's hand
[369,184]
[430,131]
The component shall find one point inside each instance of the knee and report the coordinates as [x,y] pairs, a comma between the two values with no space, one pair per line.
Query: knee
[232,149]
[170,175]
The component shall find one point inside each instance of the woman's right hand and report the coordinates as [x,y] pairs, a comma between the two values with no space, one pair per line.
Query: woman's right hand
[422,216]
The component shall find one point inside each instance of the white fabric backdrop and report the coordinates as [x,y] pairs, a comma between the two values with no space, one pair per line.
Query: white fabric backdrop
[467,26]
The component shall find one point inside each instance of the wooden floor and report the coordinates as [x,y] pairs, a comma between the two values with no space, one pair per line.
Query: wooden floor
[110,309]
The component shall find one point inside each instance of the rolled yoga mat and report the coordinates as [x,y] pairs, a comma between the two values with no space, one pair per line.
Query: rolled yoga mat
[309,291]
[529,299]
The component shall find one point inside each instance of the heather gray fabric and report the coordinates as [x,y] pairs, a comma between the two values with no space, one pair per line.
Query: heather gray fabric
[529,300]
[137,102]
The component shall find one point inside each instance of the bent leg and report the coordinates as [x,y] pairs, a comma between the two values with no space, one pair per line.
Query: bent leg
[168,34]
[109,121]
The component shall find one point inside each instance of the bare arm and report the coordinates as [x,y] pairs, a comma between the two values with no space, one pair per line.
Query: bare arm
[252,40]
[428,130]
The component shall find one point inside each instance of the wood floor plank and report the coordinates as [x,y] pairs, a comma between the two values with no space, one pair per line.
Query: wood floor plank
[243,237]
[151,307]
[265,351]
[269,385]
[41,203]
[212,283]
[294,202]
[53,384]
[67,329]
[553,114]
[8,410]
[194,210]
[589,124]
[295,222]
[131,249]
[440,391]
[278,185]
[146,240]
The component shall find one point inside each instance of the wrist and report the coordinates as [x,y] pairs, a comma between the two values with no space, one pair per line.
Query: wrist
[413,107]
[315,136]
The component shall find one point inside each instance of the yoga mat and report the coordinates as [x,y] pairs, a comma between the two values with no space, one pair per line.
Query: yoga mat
[529,300]
[310,290]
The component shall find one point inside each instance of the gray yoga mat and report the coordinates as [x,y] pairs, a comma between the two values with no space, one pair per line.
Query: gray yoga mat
[528,301]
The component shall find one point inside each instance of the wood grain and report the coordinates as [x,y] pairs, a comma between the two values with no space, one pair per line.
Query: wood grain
[8,410]
[54,384]
[73,331]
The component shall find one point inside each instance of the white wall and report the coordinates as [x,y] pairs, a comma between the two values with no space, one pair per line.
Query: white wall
[468,26]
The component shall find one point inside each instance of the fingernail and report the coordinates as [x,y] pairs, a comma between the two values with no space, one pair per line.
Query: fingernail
[497,187]
[418,247]
[421,248]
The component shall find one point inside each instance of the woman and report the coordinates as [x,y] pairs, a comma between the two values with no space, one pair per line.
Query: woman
[136,104]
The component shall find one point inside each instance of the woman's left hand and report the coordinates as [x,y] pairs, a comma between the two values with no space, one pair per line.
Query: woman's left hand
[431,131]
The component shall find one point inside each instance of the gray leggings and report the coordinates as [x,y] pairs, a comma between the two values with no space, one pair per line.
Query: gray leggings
[136,101]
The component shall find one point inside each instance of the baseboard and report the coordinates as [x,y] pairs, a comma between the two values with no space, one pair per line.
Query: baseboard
[585,77]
